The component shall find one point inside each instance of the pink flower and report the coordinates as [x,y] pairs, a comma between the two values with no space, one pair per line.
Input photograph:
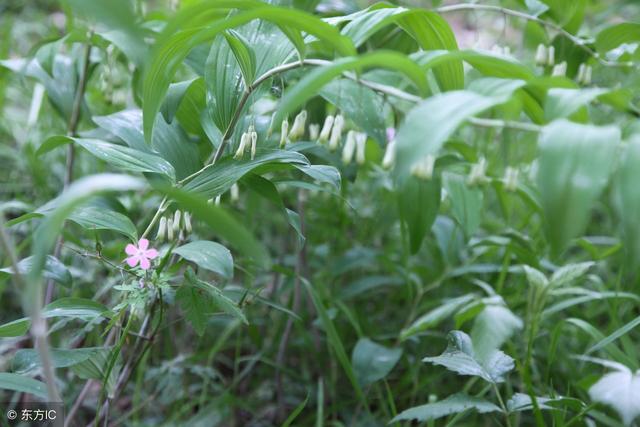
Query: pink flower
[391,134]
[140,254]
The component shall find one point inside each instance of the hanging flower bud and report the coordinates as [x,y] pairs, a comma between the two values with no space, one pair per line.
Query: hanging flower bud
[176,221]
[314,131]
[349,147]
[326,129]
[284,132]
[361,143]
[389,155]
[235,193]
[187,222]
[581,71]
[559,70]
[299,123]
[551,56]
[162,229]
[478,172]
[254,143]
[511,179]
[170,230]
[218,199]
[244,143]
[541,55]
[423,168]
[588,71]
[336,132]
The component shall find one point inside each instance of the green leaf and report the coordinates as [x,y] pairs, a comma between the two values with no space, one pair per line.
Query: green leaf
[27,360]
[291,418]
[219,299]
[574,165]
[94,218]
[445,310]
[454,404]
[569,273]
[208,255]
[372,362]
[492,328]
[186,31]
[428,125]
[615,35]
[627,201]
[196,305]
[418,205]
[53,269]
[243,53]
[466,203]
[219,177]
[16,328]
[22,384]
[614,336]
[460,357]
[561,103]
[523,402]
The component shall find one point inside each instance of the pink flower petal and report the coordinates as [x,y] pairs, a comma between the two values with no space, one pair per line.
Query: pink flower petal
[143,244]
[131,250]
[151,253]
[391,133]
[144,263]
[133,260]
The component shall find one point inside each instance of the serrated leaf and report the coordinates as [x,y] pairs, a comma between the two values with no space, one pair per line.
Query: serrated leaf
[223,302]
[211,256]
[372,362]
[454,404]
[195,305]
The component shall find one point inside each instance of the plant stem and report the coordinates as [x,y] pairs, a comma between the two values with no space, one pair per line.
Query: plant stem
[502,405]
[576,40]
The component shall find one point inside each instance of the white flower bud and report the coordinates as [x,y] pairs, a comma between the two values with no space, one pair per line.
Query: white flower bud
[299,123]
[170,230]
[187,222]
[326,129]
[176,221]
[588,71]
[244,142]
[314,131]
[559,70]
[349,147]
[478,172]
[162,229]
[541,55]
[511,179]
[336,132]
[389,155]
[551,56]
[235,193]
[423,168]
[361,144]
[218,199]
[254,143]
[284,132]
[581,70]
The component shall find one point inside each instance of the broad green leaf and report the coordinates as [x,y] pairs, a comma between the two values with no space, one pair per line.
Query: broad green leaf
[219,299]
[16,328]
[523,402]
[460,357]
[196,305]
[243,53]
[561,103]
[175,94]
[418,205]
[372,362]
[614,35]
[434,317]
[574,165]
[223,224]
[219,177]
[315,80]
[173,45]
[454,404]
[627,201]
[466,203]
[94,218]
[536,277]
[621,391]
[569,273]
[53,269]
[208,255]
[492,328]
[428,125]
[22,384]
[323,174]
[358,103]
[27,360]
[96,366]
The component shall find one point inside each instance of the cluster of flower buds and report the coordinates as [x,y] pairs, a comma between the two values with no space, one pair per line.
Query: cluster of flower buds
[510,179]
[171,226]
[478,173]
[249,139]
[355,143]
[501,50]
[545,55]
[584,74]
[423,168]
[559,70]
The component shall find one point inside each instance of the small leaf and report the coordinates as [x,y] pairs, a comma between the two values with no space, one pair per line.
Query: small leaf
[570,273]
[208,255]
[195,306]
[94,218]
[22,384]
[454,404]
[434,317]
[372,362]
[53,269]
[27,360]
[219,299]
[491,328]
